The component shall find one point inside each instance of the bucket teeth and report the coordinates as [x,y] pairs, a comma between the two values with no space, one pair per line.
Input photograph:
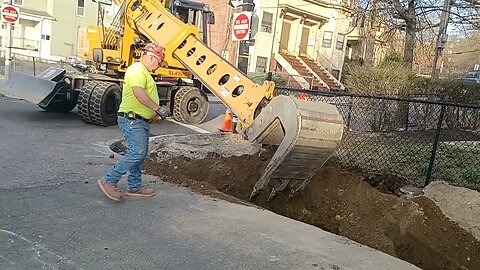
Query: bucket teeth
[306,132]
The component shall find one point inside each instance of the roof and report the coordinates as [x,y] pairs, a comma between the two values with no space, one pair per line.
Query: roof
[302,12]
[35,13]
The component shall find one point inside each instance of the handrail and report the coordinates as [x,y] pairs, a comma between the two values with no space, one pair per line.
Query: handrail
[117,27]
[318,53]
[331,76]
[311,79]
[281,46]
[325,58]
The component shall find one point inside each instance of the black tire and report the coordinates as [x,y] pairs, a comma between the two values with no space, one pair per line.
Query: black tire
[190,105]
[98,103]
[83,100]
[60,106]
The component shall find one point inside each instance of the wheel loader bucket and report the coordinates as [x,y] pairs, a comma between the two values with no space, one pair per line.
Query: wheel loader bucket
[40,89]
[306,132]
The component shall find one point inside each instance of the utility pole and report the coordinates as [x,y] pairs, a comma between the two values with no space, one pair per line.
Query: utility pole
[243,45]
[441,38]
[8,49]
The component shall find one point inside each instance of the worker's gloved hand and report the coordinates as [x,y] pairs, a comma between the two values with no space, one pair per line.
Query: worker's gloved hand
[163,112]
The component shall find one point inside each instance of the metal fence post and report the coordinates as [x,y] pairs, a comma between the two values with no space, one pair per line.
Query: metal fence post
[349,116]
[407,116]
[435,145]
[34,73]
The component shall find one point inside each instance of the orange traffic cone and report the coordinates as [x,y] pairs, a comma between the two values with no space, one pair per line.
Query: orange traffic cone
[227,121]
[302,96]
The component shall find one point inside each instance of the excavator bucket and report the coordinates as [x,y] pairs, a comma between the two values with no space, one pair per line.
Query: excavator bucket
[40,89]
[306,132]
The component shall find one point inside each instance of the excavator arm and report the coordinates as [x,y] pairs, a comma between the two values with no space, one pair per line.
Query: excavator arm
[305,132]
[182,42]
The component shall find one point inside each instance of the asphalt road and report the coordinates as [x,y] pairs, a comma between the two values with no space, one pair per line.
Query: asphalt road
[54,216]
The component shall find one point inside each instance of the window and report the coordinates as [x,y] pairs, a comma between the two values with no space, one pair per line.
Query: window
[18,2]
[81,8]
[327,39]
[340,41]
[261,64]
[266,22]
[46,37]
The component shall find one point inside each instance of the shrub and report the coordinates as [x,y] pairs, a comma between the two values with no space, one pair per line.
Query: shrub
[448,89]
[393,58]
[389,78]
[260,78]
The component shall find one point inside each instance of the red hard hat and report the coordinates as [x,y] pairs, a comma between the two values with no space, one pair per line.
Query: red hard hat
[155,49]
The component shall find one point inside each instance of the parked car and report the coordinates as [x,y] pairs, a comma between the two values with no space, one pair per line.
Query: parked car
[472,77]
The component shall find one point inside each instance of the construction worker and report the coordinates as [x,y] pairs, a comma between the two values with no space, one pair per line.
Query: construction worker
[139,107]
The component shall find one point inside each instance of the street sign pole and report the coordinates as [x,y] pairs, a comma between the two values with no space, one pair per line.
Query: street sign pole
[8,51]
[243,47]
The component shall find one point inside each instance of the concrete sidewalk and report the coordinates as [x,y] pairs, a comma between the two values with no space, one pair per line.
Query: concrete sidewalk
[75,227]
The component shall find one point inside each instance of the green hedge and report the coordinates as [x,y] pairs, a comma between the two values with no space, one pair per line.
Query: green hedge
[448,89]
[392,79]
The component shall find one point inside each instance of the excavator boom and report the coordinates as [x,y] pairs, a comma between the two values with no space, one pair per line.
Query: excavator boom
[181,41]
[306,132]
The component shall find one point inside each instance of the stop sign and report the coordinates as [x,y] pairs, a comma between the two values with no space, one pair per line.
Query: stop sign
[241,26]
[10,14]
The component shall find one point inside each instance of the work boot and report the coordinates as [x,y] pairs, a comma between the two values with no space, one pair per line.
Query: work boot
[110,190]
[142,192]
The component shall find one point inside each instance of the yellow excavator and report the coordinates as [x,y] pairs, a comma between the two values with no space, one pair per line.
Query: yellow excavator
[305,132]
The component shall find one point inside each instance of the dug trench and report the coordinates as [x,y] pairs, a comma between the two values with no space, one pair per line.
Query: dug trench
[336,200]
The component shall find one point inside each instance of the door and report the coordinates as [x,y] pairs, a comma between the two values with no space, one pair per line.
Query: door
[285,36]
[304,40]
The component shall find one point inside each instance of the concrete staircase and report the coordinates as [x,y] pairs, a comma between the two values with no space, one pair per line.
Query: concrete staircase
[332,83]
[315,82]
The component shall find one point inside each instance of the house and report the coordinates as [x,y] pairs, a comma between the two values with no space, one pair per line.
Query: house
[49,28]
[357,39]
[303,39]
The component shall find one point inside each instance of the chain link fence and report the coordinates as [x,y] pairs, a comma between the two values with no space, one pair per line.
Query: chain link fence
[416,139]
[29,64]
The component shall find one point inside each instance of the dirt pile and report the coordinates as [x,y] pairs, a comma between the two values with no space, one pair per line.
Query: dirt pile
[336,200]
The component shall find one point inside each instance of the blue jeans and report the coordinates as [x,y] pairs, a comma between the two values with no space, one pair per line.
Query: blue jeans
[135,133]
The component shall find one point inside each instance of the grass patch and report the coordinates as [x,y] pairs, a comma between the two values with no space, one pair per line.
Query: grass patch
[410,158]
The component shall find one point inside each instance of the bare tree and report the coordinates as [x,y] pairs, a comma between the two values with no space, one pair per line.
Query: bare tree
[415,16]
[463,53]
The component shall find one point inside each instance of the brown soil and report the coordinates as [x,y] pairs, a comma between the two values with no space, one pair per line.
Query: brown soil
[338,201]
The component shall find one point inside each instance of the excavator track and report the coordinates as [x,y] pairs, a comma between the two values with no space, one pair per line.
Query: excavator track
[306,132]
